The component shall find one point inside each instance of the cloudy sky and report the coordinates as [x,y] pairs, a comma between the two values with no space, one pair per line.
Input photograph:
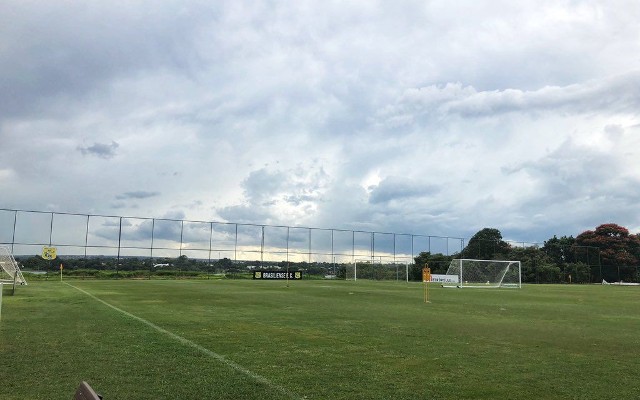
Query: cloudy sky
[424,117]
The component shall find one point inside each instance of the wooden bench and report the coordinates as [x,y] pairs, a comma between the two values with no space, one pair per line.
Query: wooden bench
[85,392]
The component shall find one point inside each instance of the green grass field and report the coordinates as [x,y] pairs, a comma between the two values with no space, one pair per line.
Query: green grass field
[243,339]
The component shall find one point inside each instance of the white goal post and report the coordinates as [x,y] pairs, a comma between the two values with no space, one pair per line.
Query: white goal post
[9,269]
[468,273]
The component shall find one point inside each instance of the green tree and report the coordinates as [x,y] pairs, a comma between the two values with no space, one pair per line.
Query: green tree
[549,273]
[577,273]
[560,250]
[438,262]
[182,262]
[224,264]
[486,244]
[34,263]
[532,258]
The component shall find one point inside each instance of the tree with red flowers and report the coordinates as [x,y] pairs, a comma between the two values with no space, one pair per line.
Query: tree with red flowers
[617,246]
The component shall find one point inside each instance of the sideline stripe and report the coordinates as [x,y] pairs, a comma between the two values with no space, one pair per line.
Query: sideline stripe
[187,342]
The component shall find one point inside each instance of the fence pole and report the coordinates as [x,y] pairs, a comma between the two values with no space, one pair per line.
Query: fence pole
[119,243]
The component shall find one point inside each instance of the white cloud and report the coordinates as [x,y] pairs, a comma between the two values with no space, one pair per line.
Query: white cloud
[618,94]
[276,196]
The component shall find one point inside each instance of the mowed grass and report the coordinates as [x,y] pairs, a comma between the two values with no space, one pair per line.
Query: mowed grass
[241,339]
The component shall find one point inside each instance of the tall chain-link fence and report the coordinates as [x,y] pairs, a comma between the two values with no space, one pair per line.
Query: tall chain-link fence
[121,241]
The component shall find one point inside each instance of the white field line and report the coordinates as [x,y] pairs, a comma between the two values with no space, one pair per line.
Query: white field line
[189,343]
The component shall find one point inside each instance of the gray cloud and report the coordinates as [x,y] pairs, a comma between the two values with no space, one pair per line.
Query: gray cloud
[140,194]
[247,214]
[67,53]
[396,188]
[102,150]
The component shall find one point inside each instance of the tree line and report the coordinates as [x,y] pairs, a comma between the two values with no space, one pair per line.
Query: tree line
[607,253]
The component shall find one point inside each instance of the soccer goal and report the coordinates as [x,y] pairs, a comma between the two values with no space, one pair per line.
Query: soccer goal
[465,273]
[361,269]
[377,270]
[9,270]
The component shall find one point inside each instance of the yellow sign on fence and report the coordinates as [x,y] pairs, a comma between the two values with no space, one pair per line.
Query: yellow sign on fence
[49,253]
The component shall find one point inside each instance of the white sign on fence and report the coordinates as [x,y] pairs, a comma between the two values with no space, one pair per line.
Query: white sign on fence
[444,278]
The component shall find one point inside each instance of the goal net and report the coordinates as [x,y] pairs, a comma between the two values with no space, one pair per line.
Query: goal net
[464,273]
[378,270]
[361,269]
[350,272]
[9,270]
